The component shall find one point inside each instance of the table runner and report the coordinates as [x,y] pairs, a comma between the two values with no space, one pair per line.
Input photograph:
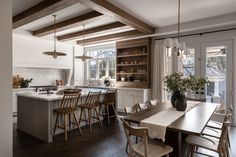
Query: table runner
[158,122]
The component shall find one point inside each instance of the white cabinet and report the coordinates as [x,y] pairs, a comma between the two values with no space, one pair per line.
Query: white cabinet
[14,96]
[131,96]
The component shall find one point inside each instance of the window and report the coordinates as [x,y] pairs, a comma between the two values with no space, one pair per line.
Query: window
[103,63]
[188,63]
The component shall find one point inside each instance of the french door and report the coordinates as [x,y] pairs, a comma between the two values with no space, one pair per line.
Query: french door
[212,60]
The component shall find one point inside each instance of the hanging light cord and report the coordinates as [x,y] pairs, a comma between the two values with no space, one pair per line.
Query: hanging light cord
[178,18]
[83,40]
[54,31]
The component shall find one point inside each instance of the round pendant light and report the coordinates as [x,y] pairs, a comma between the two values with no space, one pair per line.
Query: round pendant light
[83,57]
[54,53]
[178,48]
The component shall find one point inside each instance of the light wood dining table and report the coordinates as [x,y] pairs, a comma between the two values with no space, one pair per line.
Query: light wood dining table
[192,122]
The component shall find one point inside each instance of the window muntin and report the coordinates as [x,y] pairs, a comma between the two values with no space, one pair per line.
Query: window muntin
[102,65]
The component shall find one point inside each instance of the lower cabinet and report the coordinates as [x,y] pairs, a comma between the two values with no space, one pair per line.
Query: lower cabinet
[14,97]
[127,97]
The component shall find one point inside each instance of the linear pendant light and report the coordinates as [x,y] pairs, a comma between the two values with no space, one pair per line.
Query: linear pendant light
[179,48]
[83,57]
[54,53]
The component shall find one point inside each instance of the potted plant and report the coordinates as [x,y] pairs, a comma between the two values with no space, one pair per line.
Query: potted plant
[25,82]
[177,85]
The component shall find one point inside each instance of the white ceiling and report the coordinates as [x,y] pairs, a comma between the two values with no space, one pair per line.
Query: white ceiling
[159,13]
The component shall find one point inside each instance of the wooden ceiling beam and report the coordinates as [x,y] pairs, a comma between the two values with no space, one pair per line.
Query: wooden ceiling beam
[70,23]
[40,10]
[90,31]
[111,37]
[107,8]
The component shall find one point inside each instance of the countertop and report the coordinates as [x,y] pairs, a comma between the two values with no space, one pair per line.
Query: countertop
[54,96]
[84,86]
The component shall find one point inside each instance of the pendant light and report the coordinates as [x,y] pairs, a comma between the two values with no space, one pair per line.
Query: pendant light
[83,57]
[54,53]
[178,48]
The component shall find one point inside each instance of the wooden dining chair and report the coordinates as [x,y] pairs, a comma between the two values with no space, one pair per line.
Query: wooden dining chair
[132,109]
[91,104]
[214,128]
[215,123]
[206,143]
[68,108]
[154,102]
[144,148]
[145,105]
[109,100]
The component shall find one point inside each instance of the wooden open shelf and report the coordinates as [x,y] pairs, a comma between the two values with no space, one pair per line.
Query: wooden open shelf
[134,55]
[131,64]
[133,59]
[131,73]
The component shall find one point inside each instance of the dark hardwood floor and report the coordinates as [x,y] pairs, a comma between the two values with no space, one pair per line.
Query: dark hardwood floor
[108,141]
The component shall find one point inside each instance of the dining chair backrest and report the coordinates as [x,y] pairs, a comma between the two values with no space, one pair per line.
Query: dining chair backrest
[223,137]
[228,115]
[138,132]
[70,99]
[110,96]
[145,105]
[92,99]
[132,109]
[154,102]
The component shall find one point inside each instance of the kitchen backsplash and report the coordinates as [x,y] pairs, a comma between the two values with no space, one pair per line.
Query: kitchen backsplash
[42,76]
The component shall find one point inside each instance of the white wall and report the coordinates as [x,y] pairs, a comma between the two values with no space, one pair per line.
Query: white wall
[27,52]
[78,67]
[6,75]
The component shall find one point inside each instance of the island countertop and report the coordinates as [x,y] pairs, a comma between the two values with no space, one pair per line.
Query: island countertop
[54,96]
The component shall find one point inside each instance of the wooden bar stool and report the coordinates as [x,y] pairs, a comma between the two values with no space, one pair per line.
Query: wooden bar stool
[91,104]
[109,100]
[68,107]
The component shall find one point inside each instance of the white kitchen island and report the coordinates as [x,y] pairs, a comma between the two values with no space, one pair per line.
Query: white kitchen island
[36,116]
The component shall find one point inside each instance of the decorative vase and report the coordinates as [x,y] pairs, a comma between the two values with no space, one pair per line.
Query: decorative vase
[24,85]
[181,103]
[174,96]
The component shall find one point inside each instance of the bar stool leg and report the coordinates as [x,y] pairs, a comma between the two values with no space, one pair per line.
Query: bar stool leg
[55,126]
[90,119]
[98,117]
[81,112]
[108,114]
[69,121]
[65,127]
[76,122]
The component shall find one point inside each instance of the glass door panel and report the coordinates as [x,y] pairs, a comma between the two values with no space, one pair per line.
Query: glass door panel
[216,65]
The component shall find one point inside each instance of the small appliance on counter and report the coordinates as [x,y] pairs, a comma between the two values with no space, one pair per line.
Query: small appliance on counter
[48,89]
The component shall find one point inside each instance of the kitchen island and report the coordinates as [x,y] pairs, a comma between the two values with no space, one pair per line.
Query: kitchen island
[36,116]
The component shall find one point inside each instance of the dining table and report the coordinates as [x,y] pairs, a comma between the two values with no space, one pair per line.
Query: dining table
[191,122]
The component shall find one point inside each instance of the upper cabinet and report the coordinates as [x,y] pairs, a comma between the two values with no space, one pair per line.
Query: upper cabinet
[133,63]
[28,52]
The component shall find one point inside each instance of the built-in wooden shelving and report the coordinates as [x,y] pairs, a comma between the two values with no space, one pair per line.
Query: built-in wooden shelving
[133,63]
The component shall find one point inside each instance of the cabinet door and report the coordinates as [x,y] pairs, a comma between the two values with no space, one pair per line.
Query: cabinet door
[128,100]
[120,101]
[137,99]
[14,102]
